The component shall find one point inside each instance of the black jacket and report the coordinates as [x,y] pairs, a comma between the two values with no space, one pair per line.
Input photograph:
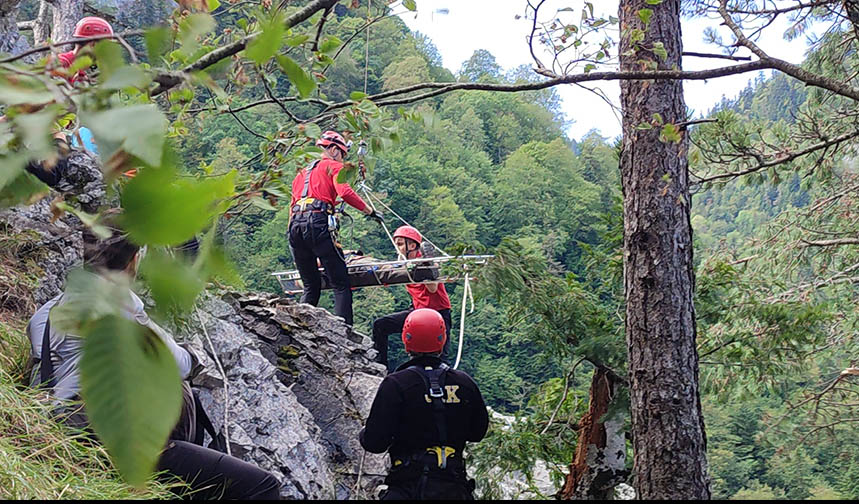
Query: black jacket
[402,421]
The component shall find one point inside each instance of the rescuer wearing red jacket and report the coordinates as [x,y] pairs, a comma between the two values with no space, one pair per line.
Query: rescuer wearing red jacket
[424,295]
[90,26]
[314,191]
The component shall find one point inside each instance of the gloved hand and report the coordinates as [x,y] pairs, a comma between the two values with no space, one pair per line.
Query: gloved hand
[376,216]
[427,250]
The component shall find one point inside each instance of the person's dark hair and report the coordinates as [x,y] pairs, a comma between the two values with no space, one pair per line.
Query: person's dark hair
[113,253]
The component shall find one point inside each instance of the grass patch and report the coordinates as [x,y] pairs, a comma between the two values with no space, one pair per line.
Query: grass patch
[40,458]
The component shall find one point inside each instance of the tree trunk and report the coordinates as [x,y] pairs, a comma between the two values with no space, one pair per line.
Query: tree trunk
[66,15]
[601,450]
[11,40]
[42,27]
[668,429]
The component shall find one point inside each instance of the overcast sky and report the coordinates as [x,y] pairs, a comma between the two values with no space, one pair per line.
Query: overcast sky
[491,24]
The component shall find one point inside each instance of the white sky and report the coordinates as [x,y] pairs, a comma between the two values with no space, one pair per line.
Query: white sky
[490,24]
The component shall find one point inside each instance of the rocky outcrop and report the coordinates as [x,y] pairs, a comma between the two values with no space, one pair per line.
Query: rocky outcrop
[297,389]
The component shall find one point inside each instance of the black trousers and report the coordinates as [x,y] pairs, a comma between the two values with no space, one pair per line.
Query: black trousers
[393,324]
[215,475]
[310,239]
[415,484]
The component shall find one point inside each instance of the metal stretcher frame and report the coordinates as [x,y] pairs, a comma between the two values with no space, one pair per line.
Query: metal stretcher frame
[385,273]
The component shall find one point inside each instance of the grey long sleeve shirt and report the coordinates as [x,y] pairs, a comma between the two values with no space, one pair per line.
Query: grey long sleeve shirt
[66,349]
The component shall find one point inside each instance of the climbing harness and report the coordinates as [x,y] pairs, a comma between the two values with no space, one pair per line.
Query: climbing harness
[434,381]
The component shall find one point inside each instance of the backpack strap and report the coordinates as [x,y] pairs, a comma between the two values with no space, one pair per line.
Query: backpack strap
[46,373]
[434,380]
[203,420]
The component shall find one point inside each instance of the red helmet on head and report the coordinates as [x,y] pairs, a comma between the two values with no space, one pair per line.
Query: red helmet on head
[333,138]
[408,232]
[91,26]
[424,331]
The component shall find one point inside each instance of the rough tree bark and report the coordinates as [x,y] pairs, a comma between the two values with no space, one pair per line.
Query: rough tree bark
[42,24]
[601,449]
[11,40]
[668,429]
[66,15]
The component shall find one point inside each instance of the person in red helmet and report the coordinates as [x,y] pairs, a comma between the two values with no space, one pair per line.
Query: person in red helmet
[423,414]
[90,26]
[432,295]
[314,191]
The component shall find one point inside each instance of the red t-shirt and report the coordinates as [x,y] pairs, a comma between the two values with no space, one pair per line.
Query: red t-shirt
[67,58]
[423,298]
[324,186]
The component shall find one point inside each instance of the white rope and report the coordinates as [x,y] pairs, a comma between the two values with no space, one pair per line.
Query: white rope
[466,294]
[404,221]
[363,187]
[224,375]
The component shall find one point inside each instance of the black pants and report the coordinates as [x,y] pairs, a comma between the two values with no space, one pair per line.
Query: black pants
[433,485]
[215,475]
[393,324]
[309,239]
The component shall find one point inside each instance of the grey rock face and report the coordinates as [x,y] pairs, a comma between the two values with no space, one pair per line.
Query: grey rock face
[299,392]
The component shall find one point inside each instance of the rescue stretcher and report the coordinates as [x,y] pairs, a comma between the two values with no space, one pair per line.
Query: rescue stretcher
[365,271]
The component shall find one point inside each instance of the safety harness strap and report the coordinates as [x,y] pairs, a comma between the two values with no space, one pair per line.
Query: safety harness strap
[307,172]
[47,365]
[434,379]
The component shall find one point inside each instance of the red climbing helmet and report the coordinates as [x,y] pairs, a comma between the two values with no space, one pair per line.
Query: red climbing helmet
[408,232]
[333,138]
[424,331]
[91,26]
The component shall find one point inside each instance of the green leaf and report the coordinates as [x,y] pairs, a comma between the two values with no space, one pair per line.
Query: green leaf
[657,118]
[368,107]
[659,50]
[670,133]
[173,282]
[22,188]
[128,76]
[297,40]
[312,130]
[267,43]
[653,2]
[410,4]
[138,129]
[164,209]
[90,297]
[108,56]
[194,26]
[23,89]
[213,4]
[330,44]
[157,43]
[348,174]
[132,390]
[357,96]
[636,35]
[35,131]
[644,15]
[262,204]
[303,82]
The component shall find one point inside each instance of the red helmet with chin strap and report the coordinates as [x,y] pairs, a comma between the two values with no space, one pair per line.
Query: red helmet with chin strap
[91,26]
[408,232]
[333,138]
[424,331]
